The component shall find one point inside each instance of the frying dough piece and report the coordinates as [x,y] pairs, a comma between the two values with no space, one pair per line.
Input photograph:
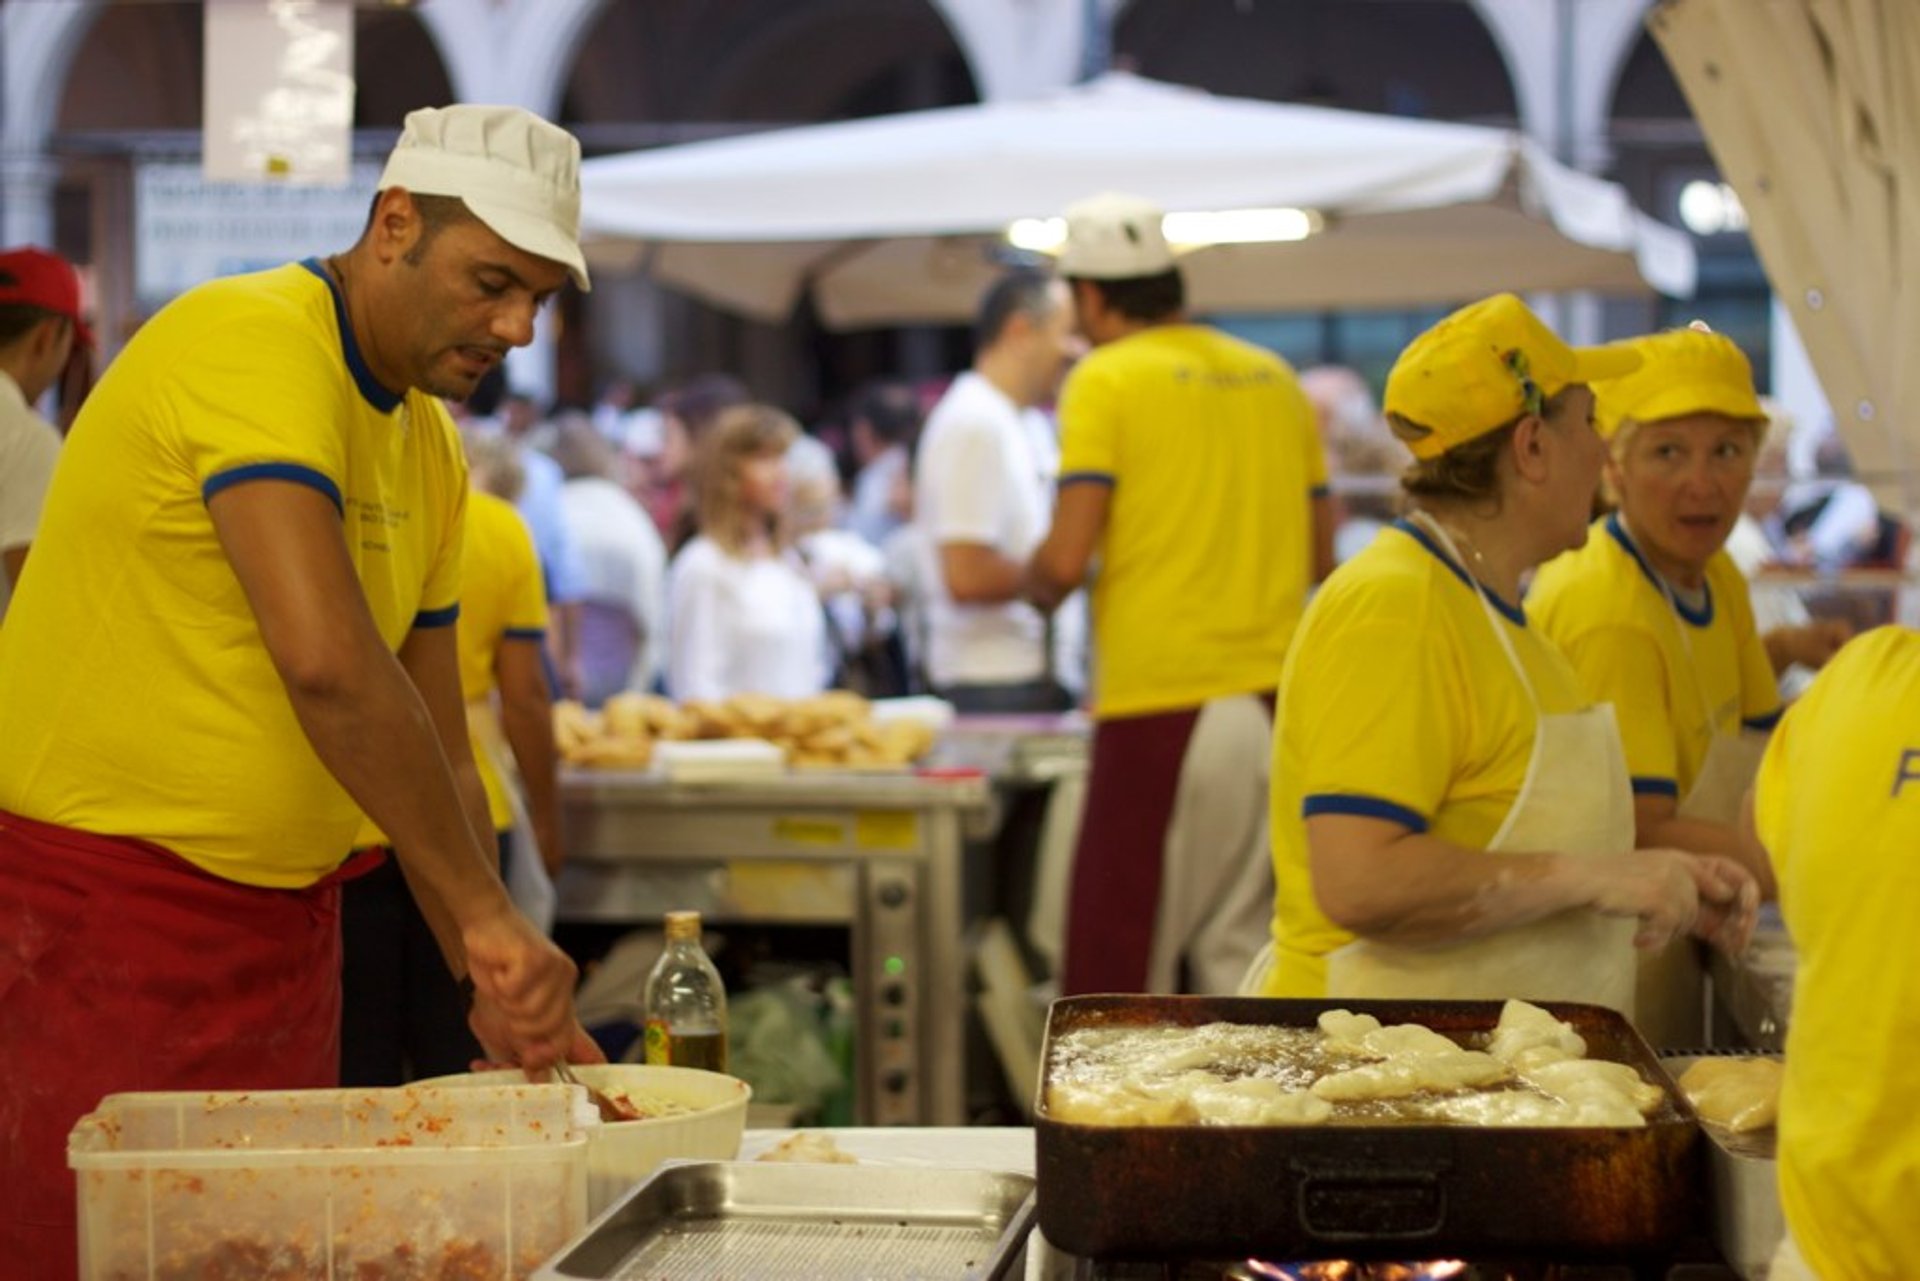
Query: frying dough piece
[1408,1040]
[1252,1100]
[1737,1094]
[1599,1081]
[1345,1030]
[1397,1078]
[1521,1108]
[1115,1103]
[1523,1027]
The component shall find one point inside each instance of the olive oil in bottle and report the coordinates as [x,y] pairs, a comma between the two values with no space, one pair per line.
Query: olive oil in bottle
[686,1003]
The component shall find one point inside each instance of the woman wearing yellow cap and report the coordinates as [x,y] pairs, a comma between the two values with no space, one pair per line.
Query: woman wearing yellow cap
[1656,619]
[1451,817]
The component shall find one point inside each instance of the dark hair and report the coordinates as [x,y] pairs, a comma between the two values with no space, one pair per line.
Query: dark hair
[890,409]
[1468,473]
[1023,291]
[437,213]
[1144,298]
[17,320]
[700,400]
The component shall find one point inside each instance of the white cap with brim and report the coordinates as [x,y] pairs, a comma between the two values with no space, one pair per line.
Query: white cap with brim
[519,175]
[1115,237]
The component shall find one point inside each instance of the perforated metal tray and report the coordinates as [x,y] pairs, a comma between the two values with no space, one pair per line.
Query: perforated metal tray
[772,1221]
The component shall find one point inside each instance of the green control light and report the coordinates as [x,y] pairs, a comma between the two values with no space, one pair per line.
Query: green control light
[895,966]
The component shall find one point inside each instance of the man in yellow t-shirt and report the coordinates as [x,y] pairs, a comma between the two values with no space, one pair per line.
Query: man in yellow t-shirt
[237,639]
[402,1016]
[1191,468]
[1837,806]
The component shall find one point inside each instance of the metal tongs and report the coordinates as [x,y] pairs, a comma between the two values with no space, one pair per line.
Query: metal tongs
[611,1109]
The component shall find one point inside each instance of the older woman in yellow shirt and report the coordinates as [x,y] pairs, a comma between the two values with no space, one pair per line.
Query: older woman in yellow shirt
[1655,617]
[1451,815]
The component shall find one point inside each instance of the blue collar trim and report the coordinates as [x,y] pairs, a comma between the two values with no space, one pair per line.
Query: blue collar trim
[1515,614]
[1702,617]
[370,387]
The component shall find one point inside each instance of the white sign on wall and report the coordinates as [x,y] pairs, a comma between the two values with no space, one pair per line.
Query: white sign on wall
[187,230]
[278,100]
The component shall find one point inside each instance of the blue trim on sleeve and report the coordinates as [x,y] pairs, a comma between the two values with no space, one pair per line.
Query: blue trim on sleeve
[526,633]
[370,387]
[1766,722]
[295,472]
[1319,491]
[1362,807]
[1701,618]
[437,617]
[1085,478]
[1656,787]
[1515,614]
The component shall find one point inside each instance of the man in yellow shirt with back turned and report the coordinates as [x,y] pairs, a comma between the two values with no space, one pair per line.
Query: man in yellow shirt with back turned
[1190,465]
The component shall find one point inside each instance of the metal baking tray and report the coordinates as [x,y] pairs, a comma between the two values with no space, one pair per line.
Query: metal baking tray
[784,1221]
[1354,1191]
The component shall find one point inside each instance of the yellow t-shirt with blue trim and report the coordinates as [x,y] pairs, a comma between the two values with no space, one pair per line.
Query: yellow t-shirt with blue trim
[1213,457]
[1675,675]
[1399,702]
[1837,805]
[502,600]
[137,697]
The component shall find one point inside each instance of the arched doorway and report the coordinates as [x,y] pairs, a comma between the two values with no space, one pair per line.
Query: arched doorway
[1405,57]
[654,72]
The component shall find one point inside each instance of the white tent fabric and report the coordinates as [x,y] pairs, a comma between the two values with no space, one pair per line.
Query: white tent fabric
[896,218]
[1812,110]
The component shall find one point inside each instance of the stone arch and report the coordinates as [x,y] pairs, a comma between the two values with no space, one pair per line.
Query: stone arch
[1324,52]
[685,62]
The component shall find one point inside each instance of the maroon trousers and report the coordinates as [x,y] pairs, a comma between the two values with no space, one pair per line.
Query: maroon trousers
[124,967]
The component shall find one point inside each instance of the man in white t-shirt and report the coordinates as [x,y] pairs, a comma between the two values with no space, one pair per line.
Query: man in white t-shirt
[983,482]
[39,324]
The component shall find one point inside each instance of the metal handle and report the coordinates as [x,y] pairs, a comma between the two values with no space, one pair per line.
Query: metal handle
[1349,1206]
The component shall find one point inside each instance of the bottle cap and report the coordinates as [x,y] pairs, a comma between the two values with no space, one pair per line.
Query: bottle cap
[683,925]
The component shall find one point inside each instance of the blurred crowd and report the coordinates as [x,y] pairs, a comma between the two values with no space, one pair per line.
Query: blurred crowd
[701,543]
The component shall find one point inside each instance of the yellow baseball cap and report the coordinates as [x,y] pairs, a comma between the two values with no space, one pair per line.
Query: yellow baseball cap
[1682,371]
[1484,366]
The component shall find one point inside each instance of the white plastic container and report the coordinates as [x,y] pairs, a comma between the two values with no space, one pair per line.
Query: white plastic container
[622,1153]
[368,1184]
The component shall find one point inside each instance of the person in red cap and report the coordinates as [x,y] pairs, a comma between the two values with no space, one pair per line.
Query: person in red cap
[39,325]
[237,644]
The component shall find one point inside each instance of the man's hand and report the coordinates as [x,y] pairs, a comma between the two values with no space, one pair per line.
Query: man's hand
[488,1028]
[523,991]
[1729,902]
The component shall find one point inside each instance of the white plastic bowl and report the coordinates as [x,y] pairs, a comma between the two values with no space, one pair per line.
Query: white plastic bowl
[621,1153]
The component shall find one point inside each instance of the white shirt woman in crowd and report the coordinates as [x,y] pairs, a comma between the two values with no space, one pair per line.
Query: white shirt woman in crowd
[745,619]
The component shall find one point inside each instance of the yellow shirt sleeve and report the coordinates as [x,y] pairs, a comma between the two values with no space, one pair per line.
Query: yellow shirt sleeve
[1624,666]
[238,413]
[527,593]
[1314,464]
[1089,427]
[440,599]
[1374,729]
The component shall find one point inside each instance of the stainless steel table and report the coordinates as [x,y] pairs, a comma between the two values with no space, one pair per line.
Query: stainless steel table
[878,855]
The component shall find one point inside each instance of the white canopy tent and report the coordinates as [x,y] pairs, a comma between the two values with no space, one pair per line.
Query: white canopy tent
[895,219]
[1812,110]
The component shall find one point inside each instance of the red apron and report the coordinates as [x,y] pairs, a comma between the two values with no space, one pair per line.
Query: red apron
[124,967]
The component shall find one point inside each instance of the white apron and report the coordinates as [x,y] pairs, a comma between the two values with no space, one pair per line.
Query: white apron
[528,884]
[1576,800]
[1671,998]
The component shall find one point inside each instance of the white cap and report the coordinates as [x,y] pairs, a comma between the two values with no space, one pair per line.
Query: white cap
[1115,237]
[518,174]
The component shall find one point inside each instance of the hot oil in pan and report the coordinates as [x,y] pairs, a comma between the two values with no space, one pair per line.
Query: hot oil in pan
[1291,1057]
